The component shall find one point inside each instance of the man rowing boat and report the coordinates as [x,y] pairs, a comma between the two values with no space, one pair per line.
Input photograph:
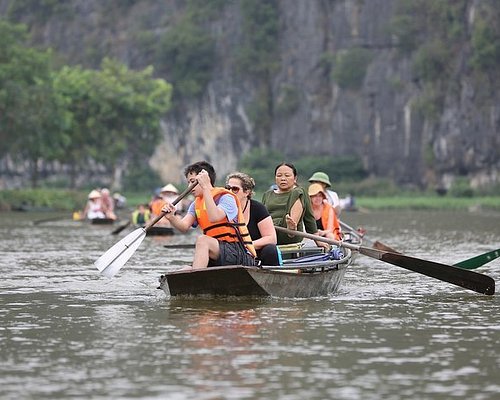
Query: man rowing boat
[217,211]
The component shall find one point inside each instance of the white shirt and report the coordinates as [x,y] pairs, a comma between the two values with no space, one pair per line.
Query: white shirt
[333,199]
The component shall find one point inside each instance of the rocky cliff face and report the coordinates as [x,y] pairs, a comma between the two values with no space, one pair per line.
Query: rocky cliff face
[378,120]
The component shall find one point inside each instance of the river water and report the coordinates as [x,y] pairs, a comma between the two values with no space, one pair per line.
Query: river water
[68,332]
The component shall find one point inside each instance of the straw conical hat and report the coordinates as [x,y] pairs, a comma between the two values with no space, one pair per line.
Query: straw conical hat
[169,188]
[94,194]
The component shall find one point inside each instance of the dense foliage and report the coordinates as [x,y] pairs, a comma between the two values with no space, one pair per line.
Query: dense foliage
[186,54]
[71,115]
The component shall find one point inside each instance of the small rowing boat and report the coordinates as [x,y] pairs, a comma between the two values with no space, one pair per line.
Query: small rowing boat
[160,231]
[102,221]
[315,275]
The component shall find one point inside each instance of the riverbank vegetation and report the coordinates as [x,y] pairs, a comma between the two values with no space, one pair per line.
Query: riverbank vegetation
[70,200]
[347,175]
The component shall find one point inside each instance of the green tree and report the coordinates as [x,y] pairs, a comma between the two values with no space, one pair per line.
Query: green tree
[350,67]
[32,116]
[40,137]
[135,103]
[115,114]
[15,75]
[486,43]
[73,84]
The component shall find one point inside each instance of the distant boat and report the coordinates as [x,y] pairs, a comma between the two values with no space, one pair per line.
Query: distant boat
[160,231]
[348,203]
[102,221]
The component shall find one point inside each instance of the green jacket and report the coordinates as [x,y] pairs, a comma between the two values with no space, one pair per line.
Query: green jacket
[280,204]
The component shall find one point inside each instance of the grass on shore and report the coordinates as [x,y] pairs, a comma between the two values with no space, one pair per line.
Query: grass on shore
[429,202]
[50,199]
[75,200]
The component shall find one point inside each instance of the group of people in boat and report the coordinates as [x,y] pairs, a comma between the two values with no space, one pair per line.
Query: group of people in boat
[145,212]
[100,205]
[240,230]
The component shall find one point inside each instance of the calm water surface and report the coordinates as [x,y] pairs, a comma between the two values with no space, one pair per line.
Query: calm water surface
[67,332]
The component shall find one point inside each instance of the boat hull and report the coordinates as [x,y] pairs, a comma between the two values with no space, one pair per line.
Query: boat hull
[237,280]
[102,221]
[160,231]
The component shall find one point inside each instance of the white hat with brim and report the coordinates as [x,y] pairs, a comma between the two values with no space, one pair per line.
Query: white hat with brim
[169,188]
[94,194]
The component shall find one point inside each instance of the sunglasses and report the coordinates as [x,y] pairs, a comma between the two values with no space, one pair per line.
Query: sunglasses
[234,189]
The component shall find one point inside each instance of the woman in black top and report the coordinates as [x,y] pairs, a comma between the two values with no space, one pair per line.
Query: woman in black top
[259,222]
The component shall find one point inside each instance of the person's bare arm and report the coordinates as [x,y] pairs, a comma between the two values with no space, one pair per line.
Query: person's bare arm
[182,224]
[268,233]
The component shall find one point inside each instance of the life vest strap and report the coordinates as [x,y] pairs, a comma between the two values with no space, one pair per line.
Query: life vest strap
[230,224]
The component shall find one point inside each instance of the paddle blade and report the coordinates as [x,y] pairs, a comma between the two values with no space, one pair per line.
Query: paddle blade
[116,257]
[478,261]
[461,277]
[381,246]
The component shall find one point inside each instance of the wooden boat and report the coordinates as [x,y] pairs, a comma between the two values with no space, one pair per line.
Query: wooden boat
[102,221]
[160,231]
[296,278]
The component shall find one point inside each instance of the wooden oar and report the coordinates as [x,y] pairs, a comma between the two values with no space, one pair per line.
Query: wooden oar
[116,257]
[457,276]
[120,228]
[470,263]
[60,217]
[376,245]
[179,246]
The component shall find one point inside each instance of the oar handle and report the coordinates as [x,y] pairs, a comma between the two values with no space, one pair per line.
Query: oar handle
[351,229]
[377,245]
[179,198]
[318,238]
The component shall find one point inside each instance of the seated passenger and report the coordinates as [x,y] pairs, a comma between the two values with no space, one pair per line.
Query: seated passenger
[141,215]
[324,214]
[168,193]
[108,204]
[290,206]
[259,222]
[94,209]
[332,197]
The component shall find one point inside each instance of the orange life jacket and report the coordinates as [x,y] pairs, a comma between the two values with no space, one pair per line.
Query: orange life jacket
[224,230]
[325,216]
[156,206]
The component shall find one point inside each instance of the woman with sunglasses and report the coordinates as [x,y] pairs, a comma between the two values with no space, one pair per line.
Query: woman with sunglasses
[259,222]
[290,206]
